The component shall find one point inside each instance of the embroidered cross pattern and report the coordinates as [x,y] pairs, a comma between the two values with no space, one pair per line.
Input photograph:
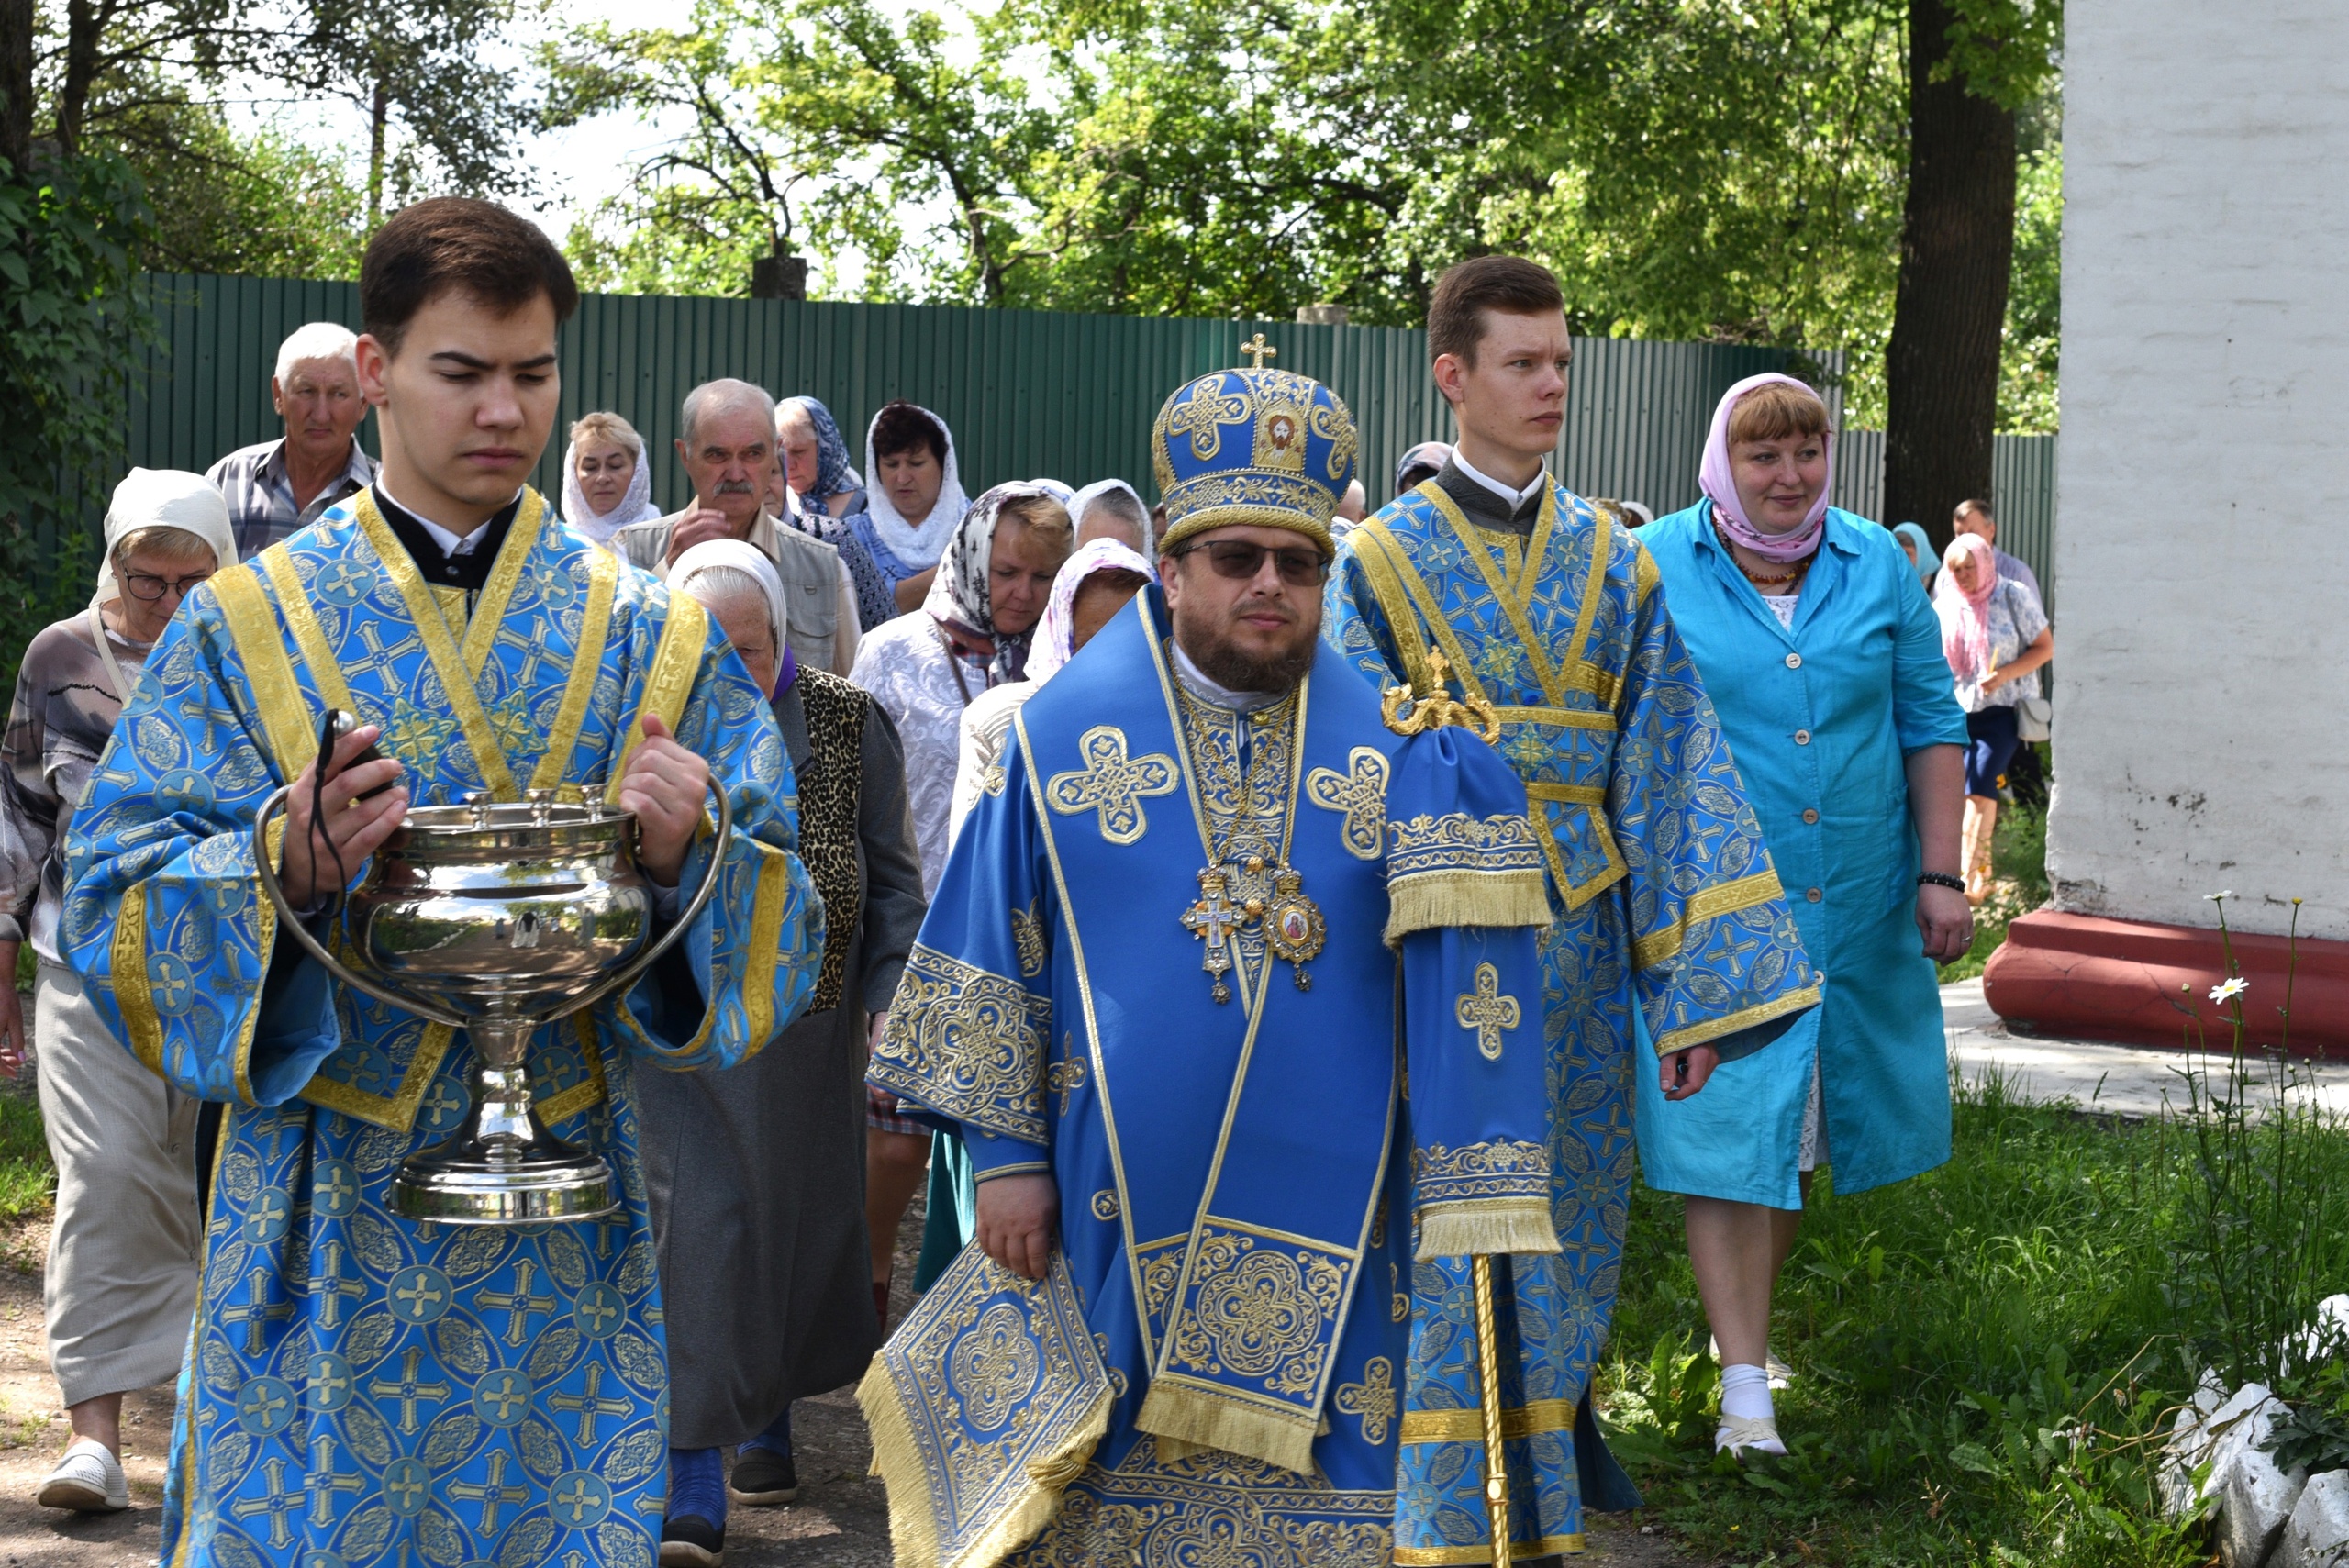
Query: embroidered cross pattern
[492,1494]
[1488,1012]
[589,1405]
[277,1505]
[1201,416]
[1064,1078]
[257,1313]
[325,1480]
[1371,1399]
[409,1388]
[1358,795]
[518,1305]
[1112,784]
[336,1287]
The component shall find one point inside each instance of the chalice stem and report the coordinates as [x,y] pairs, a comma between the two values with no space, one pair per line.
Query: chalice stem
[504,1123]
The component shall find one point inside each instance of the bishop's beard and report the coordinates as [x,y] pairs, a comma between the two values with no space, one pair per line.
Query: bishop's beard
[1222,660]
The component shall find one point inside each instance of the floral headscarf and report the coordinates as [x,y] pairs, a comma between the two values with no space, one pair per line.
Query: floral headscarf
[1056,631]
[959,595]
[834,476]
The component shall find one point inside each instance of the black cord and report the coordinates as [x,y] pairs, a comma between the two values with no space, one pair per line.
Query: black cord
[327,734]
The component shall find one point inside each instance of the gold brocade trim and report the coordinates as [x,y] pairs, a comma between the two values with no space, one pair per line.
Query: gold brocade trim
[1722,898]
[1482,1226]
[586,665]
[1111,784]
[277,696]
[456,677]
[1564,717]
[1384,558]
[967,1044]
[1359,796]
[396,1110]
[1371,542]
[294,603]
[1587,798]
[668,683]
[1427,900]
[1513,596]
[265,939]
[561,1108]
[1715,1029]
[531,520]
[773,892]
[1530,1419]
[1448,1556]
[131,993]
[1645,573]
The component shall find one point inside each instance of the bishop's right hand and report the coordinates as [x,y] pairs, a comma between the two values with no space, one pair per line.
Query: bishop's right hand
[1015,1222]
[343,824]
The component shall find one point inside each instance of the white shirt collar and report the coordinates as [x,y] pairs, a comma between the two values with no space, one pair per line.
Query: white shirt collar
[1515,498]
[450,544]
[1206,690]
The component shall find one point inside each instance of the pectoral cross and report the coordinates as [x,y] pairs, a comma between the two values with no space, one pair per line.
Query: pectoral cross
[1259,349]
[1213,919]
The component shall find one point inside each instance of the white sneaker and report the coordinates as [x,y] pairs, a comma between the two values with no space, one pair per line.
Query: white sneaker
[1737,1433]
[88,1480]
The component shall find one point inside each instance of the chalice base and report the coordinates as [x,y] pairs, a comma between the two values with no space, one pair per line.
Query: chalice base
[464,1183]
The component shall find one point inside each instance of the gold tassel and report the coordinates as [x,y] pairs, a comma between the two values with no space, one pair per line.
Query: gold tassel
[1479,1226]
[913,1522]
[1194,1416]
[1436,898]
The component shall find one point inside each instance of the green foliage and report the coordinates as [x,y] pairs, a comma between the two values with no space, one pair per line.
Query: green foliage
[267,205]
[68,323]
[27,1180]
[1986,1357]
[2019,857]
[2027,401]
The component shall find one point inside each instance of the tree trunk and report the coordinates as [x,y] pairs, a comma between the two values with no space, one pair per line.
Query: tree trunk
[81,74]
[15,81]
[1957,240]
[379,115]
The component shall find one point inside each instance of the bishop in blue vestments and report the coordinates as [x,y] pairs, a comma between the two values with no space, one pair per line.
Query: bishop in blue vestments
[1231,987]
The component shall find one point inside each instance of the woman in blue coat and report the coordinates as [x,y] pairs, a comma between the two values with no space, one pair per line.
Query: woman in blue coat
[1823,657]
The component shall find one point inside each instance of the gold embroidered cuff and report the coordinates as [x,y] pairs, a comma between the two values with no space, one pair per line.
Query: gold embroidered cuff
[1717,1028]
[968,1044]
[1482,1226]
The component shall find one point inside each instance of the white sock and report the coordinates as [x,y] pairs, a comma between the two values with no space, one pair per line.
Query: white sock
[1745,1391]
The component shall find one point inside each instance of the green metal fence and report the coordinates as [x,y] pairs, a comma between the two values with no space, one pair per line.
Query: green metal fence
[1026,392]
[2022,493]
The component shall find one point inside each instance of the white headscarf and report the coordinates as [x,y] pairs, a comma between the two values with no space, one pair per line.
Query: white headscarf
[157,498]
[1056,631]
[918,547]
[635,506]
[165,498]
[743,556]
[1100,487]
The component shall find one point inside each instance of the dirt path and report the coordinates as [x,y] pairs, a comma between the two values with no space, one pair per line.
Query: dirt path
[840,1520]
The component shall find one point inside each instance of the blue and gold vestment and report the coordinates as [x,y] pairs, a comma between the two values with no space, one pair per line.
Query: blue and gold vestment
[1211,1374]
[359,1388]
[1662,896]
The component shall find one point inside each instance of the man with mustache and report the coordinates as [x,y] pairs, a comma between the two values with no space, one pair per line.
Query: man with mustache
[1198,925]
[728,449]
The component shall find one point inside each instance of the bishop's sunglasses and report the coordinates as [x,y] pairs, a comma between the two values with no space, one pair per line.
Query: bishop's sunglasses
[1240,561]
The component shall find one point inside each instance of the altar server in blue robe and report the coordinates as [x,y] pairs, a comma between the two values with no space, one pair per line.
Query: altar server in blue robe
[1492,577]
[359,1388]
[1158,994]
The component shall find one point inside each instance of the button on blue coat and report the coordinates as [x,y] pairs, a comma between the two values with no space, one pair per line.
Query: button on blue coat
[1821,718]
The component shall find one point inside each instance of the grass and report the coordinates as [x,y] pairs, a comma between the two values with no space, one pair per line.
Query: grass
[2019,857]
[28,1181]
[1986,1357]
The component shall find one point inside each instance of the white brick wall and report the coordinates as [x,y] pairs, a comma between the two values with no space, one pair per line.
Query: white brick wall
[2202,493]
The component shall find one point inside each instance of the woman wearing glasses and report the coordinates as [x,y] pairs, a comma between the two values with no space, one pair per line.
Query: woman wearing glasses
[121,1279]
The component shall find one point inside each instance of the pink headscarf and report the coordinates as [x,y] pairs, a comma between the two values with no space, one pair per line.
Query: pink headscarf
[1056,631]
[1965,618]
[1717,483]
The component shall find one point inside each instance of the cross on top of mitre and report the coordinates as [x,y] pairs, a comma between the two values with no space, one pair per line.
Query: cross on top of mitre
[1259,349]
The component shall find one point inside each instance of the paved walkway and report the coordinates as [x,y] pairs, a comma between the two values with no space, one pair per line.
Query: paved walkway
[2115,1080]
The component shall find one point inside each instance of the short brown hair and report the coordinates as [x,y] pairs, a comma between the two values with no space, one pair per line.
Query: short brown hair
[1969,507]
[1044,518]
[1510,285]
[169,543]
[900,426]
[603,426]
[1774,412]
[456,242]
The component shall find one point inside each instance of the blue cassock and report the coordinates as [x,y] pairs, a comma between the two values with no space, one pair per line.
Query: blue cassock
[359,1388]
[1211,1370]
[1662,898]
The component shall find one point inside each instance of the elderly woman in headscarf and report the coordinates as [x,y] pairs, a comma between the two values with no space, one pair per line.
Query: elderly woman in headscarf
[121,1281]
[1823,661]
[1995,634]
[973,632]
[1092,586]
[814,461]
[913,504]
[606,483]
[756,1177]
[1111,509]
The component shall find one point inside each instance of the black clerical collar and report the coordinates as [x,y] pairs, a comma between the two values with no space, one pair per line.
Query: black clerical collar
[1484,505]
[470,571]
